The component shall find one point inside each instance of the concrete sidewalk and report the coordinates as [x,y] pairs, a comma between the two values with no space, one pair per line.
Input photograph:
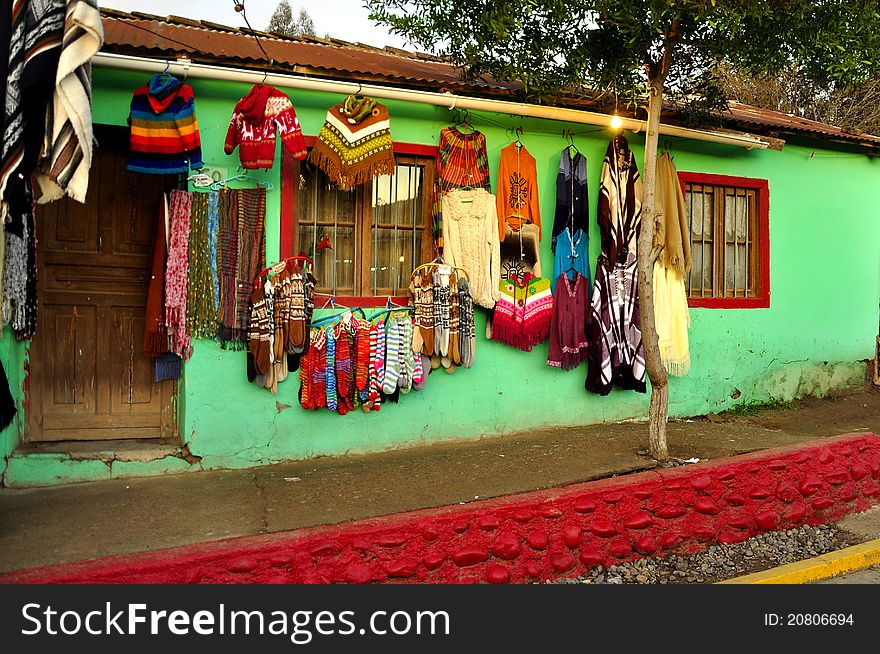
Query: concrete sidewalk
[82,521]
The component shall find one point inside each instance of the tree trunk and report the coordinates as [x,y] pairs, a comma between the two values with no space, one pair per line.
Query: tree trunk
[647,256]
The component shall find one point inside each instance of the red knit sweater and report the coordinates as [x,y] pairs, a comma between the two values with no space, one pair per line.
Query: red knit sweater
[253,123]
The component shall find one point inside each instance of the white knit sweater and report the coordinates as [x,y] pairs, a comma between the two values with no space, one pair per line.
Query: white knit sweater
[470,240]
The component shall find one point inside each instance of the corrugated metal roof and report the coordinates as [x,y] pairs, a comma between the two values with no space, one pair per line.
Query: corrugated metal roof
[767,118]
[137,33]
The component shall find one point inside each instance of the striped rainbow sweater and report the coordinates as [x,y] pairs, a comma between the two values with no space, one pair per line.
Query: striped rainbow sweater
[164,130]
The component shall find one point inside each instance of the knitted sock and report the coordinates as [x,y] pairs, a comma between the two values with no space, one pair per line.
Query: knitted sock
[404,331]
[271,379]
[362,372]
[305,380]
[281,283]
[422,291]
[441,327]
[380,354]
[392,357]
[419,374]
[258,332]
[423,363]
[343,371]
[318,392]
[297,329]
[269,293]
[454,321]
[375,390]
[330,372]
[438,319]
[466,328]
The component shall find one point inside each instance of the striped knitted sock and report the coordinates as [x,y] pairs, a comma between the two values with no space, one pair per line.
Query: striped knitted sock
[405,330]
[362,373]
[306,369]
[392,358]
[380,354]
[419,373]
[318,350]
[330,371]
[374,400]
[343,372]
[441,327]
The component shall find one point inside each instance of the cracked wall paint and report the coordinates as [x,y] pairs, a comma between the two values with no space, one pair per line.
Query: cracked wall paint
[817,314]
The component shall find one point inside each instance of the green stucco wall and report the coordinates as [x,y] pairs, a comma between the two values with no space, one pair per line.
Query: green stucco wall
[825,284]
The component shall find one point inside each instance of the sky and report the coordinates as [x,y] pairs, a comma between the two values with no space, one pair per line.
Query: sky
[344,19]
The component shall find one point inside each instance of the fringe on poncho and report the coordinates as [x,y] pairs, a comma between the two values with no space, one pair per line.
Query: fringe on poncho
[524,312]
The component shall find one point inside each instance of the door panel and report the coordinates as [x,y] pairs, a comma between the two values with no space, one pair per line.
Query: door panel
[89,378]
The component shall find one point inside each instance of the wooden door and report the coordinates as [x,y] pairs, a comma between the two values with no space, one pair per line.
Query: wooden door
[89,378]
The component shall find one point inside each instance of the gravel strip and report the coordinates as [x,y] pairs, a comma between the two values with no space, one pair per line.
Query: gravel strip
[719,562]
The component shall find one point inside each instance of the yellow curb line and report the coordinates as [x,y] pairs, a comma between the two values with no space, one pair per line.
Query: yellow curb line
[825,566]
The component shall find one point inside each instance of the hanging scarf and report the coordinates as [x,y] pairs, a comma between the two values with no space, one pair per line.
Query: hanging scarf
[213,235]
[355,143]
[242,247]
[155,334]
[671,230]
[176,274]
[20,267]
[201,316]
[671,313]
[227,260]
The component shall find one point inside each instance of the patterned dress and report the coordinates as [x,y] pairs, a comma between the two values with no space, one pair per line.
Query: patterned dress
[571,315]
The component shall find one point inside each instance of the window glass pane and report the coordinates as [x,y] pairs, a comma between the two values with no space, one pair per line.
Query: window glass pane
[397,226]
[700,203]
[327,221]
[696,269]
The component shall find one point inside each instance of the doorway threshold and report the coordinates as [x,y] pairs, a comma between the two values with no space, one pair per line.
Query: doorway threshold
[129,450]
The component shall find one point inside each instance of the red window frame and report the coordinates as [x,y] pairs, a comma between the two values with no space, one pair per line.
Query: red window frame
[286,222]
[762,190]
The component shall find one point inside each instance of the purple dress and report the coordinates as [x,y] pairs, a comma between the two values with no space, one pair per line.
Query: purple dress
[568,330]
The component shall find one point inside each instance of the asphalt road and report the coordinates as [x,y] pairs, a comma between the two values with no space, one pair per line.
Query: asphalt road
[869,576]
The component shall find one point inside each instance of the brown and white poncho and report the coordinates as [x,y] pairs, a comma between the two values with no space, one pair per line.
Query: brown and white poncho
[355,144]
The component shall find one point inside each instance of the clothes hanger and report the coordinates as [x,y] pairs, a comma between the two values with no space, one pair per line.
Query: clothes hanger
[464,122]
[571,144]
[518,142]
[266,73]
[243,176]
[438,261]
[666,145]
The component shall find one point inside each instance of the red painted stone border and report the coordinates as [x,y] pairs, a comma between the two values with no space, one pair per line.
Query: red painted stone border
[534,536]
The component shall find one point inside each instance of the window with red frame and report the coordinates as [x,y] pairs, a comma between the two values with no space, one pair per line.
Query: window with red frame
[729,239]
[364,242]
